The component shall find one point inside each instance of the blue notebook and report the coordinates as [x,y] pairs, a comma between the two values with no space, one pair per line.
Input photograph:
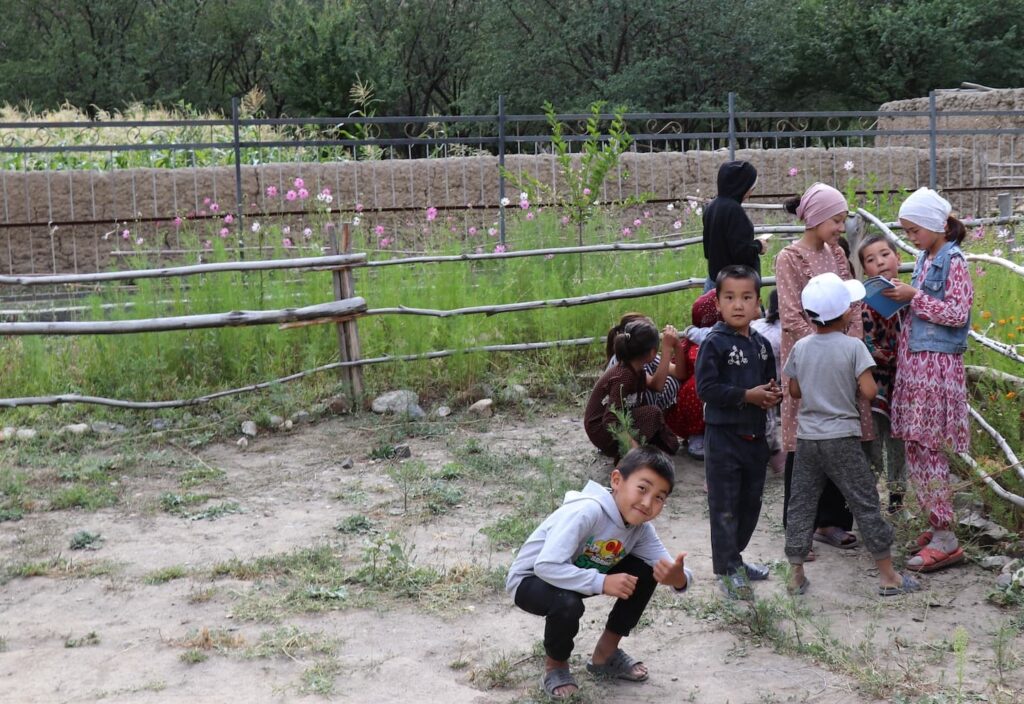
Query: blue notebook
[885,307]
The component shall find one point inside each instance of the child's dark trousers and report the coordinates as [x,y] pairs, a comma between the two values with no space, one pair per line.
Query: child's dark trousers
[843,461]
[562,609]
[735,467]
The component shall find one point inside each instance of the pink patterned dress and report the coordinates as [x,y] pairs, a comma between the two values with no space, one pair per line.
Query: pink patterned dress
[929,404]
[794,267]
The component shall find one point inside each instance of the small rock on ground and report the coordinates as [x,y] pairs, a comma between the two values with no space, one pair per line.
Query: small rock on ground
[483,408]
[249,428]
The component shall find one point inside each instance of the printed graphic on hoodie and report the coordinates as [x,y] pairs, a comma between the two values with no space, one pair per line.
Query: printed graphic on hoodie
[600,555]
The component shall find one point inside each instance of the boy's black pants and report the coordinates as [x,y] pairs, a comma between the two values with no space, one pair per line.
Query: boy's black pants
[562,609]
[832,508]
[735,469]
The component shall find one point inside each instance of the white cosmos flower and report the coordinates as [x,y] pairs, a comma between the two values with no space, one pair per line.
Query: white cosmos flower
[505,202]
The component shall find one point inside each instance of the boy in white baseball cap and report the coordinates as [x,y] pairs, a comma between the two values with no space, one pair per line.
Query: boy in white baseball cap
[826,371]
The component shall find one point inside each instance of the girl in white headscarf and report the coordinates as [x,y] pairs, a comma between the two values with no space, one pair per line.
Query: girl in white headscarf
[929,404]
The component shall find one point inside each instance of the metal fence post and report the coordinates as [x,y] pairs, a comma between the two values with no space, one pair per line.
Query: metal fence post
[501,168]
[932,139]
[732,126]
[238,169]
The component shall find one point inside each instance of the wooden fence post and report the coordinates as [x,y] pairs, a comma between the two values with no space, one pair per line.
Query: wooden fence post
[351,326]
[348,332]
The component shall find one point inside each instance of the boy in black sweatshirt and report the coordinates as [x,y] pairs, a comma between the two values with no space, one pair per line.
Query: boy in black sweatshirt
[728,232]
[736,375]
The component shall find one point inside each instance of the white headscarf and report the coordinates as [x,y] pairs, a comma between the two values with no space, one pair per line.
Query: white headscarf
[926,208]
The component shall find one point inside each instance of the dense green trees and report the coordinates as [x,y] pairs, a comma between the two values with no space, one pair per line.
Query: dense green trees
[456,56]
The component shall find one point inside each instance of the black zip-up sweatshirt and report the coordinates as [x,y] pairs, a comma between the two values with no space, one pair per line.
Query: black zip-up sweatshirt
[728,364]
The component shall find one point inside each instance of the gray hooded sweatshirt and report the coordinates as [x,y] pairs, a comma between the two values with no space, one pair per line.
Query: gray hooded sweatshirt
[584,538]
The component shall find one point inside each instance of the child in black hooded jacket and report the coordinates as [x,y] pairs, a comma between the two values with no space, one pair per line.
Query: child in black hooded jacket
[728,232]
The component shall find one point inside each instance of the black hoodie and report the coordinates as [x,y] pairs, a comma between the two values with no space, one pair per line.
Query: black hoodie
[728,232]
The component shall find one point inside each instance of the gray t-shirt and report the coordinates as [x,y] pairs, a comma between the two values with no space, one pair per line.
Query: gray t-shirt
[826,367]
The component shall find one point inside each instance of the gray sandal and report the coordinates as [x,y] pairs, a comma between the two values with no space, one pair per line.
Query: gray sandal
[561,677]
[619,667]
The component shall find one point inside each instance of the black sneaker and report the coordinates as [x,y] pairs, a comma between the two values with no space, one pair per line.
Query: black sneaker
[756,572]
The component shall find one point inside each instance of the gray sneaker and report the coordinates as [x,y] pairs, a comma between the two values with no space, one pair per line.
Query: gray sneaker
[756,572]
[736,586]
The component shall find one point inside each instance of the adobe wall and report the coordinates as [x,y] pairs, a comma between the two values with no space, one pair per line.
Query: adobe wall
[118,199]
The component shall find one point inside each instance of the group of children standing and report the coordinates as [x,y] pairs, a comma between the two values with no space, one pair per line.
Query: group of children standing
[850,388]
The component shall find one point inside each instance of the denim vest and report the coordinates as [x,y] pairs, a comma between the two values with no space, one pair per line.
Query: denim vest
[931,337]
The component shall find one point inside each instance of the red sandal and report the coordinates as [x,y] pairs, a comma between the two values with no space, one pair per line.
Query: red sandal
[934,559]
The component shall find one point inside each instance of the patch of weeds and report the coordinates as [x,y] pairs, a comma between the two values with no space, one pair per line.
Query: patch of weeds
[57,567]
[217,639]
[442,497]
[450,472]
[512,530]
[85,496]
[178,503]
[383,451]
[387,566]
[200,475]
[357,524]
[193,656]
[290,642]
[459,663]
[214,512]
[11,514]
[84,540]
[408,476]
[503,672]
[303,562]
[165,575]
[90,638]
[14,496]
[201,596]
[319,678]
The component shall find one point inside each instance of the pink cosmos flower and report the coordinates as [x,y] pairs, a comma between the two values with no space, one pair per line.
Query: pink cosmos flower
[325,191]
[287,243]
[794,171]
[529,216]
[206,201]
[359,207]
[626,232]
[980,271]
[677,225]
[224,232]
[524,204]
[214,207]
[565,220]
[207,244]
[271,191]
[385,243]
[299,183]
[379,230]
[431,214]
[307,233]
[125,234]
[500,249]
[492,231]
[139,240]
[586,191]
[647,213]
[291,195]
[472,232]
[979,233]
[228,219]
[303,193]
[177,221]
[637,222]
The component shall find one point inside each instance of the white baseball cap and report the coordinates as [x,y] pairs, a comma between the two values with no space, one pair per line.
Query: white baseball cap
[826,297]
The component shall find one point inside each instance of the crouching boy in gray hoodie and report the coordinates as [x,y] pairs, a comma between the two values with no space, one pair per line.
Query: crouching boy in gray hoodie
[599,541]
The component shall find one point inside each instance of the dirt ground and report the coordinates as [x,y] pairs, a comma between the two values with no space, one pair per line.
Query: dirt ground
[292,489]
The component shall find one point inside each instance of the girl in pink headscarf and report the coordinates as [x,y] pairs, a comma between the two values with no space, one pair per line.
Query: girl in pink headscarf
[823,210]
